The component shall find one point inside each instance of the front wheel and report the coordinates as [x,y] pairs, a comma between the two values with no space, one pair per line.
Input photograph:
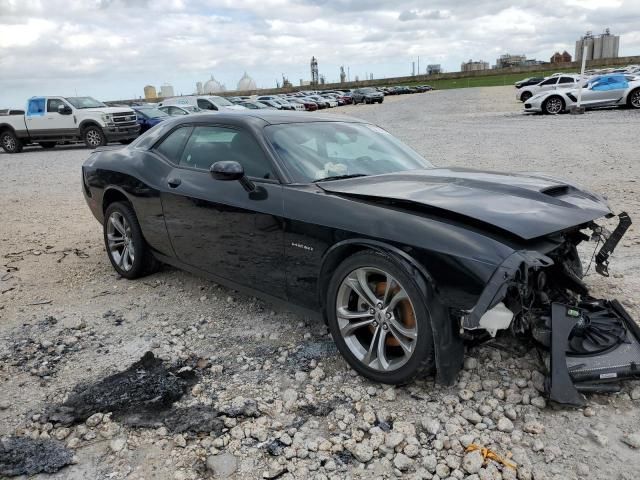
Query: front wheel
[553,105]
[525,96]
[378,319]
[128,251]
[10,142]
[634,99]
[93,137]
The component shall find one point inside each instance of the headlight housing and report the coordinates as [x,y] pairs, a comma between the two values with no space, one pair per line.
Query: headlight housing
[107,117]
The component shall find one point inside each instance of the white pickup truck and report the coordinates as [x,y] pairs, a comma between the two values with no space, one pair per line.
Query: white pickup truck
[49,120]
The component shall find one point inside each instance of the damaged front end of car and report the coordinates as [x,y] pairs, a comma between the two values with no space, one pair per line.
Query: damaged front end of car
[592,343]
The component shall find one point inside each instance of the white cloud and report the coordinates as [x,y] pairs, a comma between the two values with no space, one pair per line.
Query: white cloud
[112,48]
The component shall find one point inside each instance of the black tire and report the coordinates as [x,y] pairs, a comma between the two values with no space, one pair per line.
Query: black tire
[633,100]
[47,145]
[93,136]
[144,262]
[10,142]
[421,360]
[525,96]
[551,106]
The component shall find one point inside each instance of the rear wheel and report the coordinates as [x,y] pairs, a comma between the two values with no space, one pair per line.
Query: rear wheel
[47,144]
[525,96]
[128,251]
[553,105]
[10,142]
[93,137]
[378,319]
[634,99]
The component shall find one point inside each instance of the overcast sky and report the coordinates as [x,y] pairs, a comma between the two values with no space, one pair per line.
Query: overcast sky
[110,49]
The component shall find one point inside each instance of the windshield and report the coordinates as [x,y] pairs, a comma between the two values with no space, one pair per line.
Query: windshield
[85,102]
[152,112]
[318,150]
[220,102]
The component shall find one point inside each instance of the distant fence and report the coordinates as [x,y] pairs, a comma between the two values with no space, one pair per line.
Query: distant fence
[545,67]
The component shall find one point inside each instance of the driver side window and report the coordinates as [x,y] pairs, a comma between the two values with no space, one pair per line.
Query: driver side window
[208,145]
[550,81]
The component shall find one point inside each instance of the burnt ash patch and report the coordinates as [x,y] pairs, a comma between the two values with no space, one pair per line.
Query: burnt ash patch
[146,386]
[26,456]
[317,350]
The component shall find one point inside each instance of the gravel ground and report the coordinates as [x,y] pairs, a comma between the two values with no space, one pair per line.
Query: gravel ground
[289,405]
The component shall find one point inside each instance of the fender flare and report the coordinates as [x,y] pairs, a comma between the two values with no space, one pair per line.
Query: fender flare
[447,343]
[7,126]
[88,122]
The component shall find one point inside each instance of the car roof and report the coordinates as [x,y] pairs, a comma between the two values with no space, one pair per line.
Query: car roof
[270,117]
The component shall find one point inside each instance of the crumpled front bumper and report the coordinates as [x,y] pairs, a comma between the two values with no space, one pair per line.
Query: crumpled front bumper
[570,373]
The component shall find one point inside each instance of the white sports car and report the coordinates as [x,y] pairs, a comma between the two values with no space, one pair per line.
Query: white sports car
[554,82]
[599,91]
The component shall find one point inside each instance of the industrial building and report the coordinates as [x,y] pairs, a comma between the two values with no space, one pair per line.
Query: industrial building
[166,91]
[600,46]
[507,60]
[434,69]
[212,86]
[471,65]
[564,57]
[246,83]
[150,92]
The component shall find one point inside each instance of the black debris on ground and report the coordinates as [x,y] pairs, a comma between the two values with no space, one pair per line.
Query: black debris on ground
[343,458]
[321,409]
[147,385]
[196,419]
[249,409]
[25,456]
[275,448]
[317,350]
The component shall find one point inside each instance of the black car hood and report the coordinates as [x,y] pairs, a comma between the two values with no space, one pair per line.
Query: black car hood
[526,205]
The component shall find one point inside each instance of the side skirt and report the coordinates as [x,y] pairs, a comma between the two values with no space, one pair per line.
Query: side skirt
[278,302]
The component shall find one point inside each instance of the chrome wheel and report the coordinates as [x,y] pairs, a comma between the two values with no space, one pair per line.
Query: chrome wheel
[376,319]
[8,142]
[554,105]
[120,241]
[93,138]
[635,99]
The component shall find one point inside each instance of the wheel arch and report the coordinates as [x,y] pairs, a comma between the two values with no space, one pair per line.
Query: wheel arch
[114,194]
[7,127]
[448,346]
[88,123]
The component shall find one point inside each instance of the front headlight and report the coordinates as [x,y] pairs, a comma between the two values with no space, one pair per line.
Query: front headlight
[107,117]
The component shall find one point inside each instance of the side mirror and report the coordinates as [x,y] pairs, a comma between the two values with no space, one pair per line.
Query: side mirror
[64,110]
[229,170]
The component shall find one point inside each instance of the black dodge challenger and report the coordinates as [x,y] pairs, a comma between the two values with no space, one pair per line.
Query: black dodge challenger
[403,260]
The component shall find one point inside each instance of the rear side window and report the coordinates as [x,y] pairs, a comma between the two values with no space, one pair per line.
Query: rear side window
[566,80]
[171,146]
[206,104]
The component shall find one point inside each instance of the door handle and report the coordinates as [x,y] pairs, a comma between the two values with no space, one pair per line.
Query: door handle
[174,182]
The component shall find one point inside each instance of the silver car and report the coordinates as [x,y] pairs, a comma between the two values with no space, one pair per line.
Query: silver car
[554,82]
[599,91]
[177,110]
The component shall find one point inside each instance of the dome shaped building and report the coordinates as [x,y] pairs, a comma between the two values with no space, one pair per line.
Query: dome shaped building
[246,83]
[212,86]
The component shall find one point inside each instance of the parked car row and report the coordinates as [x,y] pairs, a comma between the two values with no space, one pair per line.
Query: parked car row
[559,92]
[49,121]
